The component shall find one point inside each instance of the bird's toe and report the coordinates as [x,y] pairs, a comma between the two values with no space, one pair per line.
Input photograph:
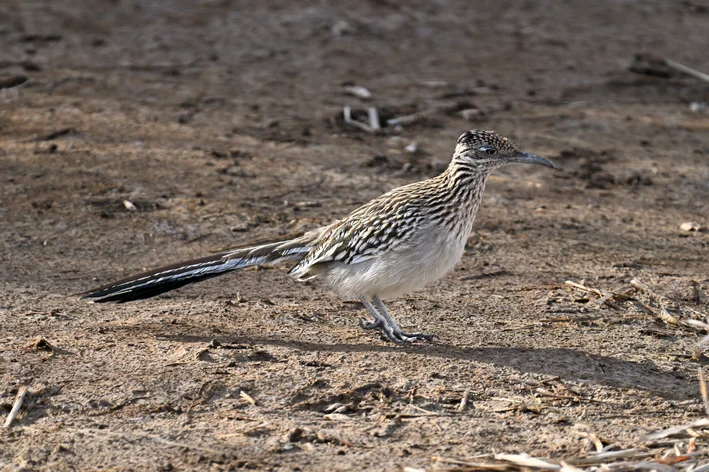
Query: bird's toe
[369,325]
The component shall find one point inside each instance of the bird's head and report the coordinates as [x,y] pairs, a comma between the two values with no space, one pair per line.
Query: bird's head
[488,150]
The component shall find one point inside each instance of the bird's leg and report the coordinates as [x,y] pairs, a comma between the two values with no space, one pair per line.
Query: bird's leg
[383,323]
[399,336]
[378,319]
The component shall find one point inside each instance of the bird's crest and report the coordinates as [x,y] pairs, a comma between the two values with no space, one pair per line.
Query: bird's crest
[476,138]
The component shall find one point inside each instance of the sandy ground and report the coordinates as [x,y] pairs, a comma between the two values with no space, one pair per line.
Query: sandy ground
[221,122]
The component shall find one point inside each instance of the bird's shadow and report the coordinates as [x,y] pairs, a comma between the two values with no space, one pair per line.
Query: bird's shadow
[566,363]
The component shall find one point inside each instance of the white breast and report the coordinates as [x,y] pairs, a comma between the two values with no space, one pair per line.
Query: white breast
[430,256]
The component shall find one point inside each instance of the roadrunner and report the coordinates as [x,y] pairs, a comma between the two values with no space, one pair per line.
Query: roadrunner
[392,245]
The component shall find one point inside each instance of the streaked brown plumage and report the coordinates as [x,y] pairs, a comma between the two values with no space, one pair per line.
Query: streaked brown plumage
[392,245]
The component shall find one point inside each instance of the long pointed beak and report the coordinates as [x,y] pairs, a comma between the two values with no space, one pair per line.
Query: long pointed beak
[528,158]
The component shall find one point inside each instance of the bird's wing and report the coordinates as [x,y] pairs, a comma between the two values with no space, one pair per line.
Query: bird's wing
[379,226]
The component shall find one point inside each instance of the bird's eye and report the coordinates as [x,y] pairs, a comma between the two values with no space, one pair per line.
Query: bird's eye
[489,150]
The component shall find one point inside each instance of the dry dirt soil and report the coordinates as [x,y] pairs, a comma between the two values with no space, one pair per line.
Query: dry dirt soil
[221,122]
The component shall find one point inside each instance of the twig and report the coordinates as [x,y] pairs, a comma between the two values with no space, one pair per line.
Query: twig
[679,429]
[664,302]
[687,70]
[347,117]
[601,457]
[463,402]
[525,460]
[643,287]
[358,91]
[21,393]
[605,297]
[406,119]
[584,288]
[595,440]
[568,467]
[373,118]
[476,465]
[247,397]
[665,316]
[703,390]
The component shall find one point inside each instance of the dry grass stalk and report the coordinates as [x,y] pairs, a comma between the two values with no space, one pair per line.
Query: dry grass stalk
[605,296]
[247,397]
[19,398]
[525,460]
[654,452]
[664,315]
[358,91]
[463,402]
[663,300]
[471,463]
[584,288]
[373,118]
[704,422]
[687,70]
[608,456]
[568,468]
[407,119]
[703,390]
[661,313]
[347,117]
[595,440]
[643,287]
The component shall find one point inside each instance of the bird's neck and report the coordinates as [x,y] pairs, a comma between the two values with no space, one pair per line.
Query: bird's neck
[463,186]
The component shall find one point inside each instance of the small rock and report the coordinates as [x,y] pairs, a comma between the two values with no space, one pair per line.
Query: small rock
[239,228]
[337,417]
[307,204]
[689,226]
[341,28]
[332,408]
[358,91]
[698,107]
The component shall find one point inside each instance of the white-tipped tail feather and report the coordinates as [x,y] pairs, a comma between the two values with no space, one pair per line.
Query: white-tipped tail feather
[154,282]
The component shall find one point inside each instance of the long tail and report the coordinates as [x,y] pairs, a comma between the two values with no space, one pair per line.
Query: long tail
[154,282]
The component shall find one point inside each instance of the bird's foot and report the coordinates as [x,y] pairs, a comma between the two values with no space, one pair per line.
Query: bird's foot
[369,325]
[419,336]
[401,338]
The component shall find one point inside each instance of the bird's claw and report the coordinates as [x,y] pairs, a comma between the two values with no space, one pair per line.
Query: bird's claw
[393,333]
[409,338]
[401,338]
[420,336]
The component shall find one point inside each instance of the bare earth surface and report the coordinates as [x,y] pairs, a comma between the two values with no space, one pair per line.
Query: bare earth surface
[221,123]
